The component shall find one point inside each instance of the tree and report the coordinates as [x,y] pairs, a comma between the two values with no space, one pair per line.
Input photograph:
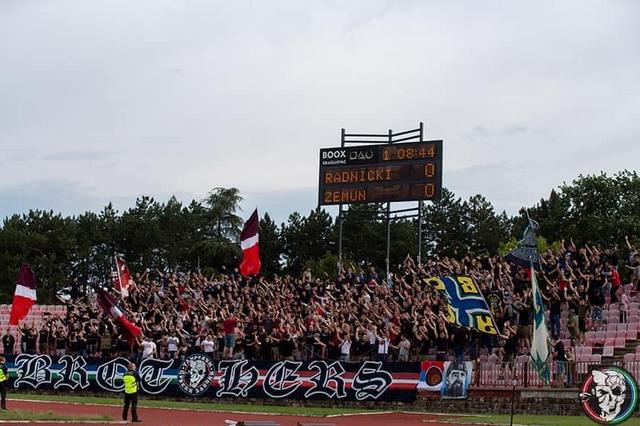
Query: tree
[271,246]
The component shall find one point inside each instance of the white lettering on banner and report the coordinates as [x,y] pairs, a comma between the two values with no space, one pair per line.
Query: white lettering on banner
[327,373]
[198,374]
[153,380]
[370,381]
[73,373]
[236,381]
[33,370]
[282,380]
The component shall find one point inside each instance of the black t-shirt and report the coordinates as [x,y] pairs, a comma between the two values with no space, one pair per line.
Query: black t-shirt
[8,341]
[286,347]
[525,314]
[442,344]
[559,348]
[461,336]
[555,306]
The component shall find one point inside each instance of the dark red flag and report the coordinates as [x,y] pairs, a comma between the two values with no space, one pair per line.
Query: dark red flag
[122,278]
[109,306]
[25,295]
[250,264]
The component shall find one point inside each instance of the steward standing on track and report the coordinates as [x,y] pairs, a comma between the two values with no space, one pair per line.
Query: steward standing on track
[4,382]
[131,381]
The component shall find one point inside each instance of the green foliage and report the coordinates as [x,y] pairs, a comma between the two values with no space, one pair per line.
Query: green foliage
[69,254]
[325,267]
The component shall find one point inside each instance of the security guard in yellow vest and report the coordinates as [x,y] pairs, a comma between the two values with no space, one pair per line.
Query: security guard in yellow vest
[4,383]
[131,381]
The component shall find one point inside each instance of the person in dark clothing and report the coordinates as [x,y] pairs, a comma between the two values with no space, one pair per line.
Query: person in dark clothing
[4,383]
[460,340]
[131,381]
[8,341]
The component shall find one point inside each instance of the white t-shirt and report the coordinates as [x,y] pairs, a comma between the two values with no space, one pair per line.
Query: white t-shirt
[383,345]
[172,344]
[405,345]
[208,346]
[345,347]
[148,348]
[372,337]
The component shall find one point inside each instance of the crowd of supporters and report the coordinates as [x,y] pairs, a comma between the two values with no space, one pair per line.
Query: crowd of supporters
[359,315]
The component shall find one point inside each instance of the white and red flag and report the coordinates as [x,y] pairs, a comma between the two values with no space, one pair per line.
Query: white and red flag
[110,306]
[25,295]
[122,278]
[250,264]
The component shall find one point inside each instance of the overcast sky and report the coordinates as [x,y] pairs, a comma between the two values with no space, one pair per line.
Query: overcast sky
[108,100]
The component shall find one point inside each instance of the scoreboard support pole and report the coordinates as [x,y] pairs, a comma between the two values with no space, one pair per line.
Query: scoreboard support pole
[380,139]
[387,259]
[419,257]
[340,269]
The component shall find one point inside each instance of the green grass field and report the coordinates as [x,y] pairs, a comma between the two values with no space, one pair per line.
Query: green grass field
[46,415]
[538,420]
[520,419]
[207,406]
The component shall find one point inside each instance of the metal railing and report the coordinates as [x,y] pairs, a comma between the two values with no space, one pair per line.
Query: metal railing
[563,374]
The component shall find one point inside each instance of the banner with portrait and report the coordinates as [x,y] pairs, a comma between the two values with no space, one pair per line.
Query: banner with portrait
[450,378]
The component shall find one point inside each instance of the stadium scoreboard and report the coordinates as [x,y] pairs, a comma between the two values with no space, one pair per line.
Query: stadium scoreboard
[380,173]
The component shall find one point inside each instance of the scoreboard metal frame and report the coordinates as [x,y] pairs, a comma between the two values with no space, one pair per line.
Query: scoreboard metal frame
[380,173]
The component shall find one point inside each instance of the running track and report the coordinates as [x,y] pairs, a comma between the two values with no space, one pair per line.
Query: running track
[180,417]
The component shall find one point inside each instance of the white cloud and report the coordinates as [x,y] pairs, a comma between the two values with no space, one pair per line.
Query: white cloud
[185,96]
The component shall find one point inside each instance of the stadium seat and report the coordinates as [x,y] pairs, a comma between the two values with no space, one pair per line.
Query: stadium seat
[595,358]
[620,342]
[607,351]
[631,335]
[629,357]
[610,341]
[638,349]
[584,350]
[622,327]
[610,335]
[583,357]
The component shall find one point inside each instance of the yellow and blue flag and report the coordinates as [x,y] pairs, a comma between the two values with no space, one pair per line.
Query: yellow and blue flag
[467,306]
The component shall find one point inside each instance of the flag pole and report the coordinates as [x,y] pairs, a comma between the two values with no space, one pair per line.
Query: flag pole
[513,391]
[115,258]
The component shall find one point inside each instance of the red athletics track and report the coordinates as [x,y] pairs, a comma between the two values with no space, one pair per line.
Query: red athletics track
[183,417]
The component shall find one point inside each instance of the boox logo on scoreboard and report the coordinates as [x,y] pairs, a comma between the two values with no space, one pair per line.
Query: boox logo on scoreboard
[344,156]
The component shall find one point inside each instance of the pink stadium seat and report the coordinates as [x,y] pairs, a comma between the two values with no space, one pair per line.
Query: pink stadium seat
[610,335]
[611,326]
[622,327]
[629,357]
[621,334]
[590,335]
[609,341]
[595,358]
[583,357]
[613,319]
[638,349]
[620,343]
[631,335]
[607,351]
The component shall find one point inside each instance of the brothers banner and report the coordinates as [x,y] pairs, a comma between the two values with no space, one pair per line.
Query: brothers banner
[200,376]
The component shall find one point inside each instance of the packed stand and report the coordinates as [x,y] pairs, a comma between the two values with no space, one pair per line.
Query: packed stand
[358,316]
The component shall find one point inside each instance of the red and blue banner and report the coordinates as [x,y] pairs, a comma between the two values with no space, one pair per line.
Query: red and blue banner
[198,375]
